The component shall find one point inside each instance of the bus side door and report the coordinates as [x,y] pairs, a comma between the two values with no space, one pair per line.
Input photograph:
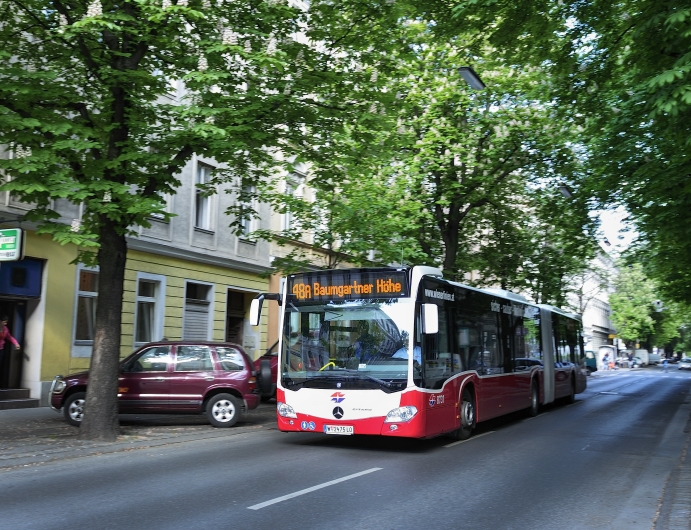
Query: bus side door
[440,410]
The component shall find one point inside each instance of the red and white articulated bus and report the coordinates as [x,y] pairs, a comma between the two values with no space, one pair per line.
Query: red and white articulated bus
[404,352]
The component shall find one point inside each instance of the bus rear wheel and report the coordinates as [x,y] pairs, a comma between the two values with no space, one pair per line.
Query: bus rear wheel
[571,398]
[467,416]
[534,401]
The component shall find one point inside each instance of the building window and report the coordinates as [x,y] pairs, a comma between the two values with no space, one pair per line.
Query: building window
[294,191]
[202,205]
[87,296]
[288,215]
[247,209]
[197,314]
[166,198]
[149,306]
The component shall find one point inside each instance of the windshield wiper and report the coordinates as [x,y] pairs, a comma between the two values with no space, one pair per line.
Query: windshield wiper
[376,380]
[345,376]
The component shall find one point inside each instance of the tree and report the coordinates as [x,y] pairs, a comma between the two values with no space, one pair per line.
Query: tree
[354,221]
[642,315]
[633,304]
[459,179]
[562,245]
[103,104]
[620,70]
[591,283]
[473,161]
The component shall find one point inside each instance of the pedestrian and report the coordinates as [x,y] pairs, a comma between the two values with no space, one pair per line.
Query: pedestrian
[5,335]
[664,364]
[364,347]
[605,362]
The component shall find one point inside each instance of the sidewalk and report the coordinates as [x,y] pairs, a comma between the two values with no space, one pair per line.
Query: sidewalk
[40,435]
[675,508]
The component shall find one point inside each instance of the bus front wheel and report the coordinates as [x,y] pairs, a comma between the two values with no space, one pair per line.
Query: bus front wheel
[467,416]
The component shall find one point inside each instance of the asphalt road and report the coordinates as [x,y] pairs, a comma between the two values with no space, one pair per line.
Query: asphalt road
[604,462]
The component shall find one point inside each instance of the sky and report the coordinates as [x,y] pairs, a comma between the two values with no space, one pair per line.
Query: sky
[613,228]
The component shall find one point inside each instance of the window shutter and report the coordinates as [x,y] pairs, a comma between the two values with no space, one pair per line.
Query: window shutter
[196,324]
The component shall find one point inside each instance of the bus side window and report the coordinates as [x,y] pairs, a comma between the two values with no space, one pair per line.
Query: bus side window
[492,360]
[530,333]
[437,359]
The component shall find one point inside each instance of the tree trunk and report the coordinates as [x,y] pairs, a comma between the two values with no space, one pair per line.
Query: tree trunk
[101,408]
[450,235]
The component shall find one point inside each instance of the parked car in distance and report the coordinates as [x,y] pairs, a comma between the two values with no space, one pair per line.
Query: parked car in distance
[525,364]
[217,379]
[684,364]
[590,361]
[644,356]
[267,367]
[623,362]
[270,357]
[654,358]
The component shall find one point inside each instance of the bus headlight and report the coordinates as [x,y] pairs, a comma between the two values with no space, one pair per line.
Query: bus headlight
[401,414]
[285,410]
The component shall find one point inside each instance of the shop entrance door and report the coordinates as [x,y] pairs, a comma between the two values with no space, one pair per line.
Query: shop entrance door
[11,358]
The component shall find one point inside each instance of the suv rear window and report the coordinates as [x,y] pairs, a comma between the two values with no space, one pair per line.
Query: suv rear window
[230,358]
[193,359]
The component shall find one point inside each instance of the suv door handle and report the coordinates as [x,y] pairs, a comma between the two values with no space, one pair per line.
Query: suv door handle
[209,377]
[160,379]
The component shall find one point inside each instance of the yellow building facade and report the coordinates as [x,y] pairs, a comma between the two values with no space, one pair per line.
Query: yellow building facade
[198,296]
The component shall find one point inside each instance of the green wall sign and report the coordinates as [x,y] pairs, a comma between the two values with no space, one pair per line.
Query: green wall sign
[11,244]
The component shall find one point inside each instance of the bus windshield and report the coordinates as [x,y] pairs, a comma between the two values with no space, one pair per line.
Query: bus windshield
[347,345]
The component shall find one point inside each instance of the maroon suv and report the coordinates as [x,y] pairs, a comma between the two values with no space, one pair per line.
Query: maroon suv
[173,377]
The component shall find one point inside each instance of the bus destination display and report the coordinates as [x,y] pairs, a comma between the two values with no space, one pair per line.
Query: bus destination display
[350,285]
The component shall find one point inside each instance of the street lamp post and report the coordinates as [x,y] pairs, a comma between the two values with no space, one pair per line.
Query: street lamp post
[565,191]
[471,78]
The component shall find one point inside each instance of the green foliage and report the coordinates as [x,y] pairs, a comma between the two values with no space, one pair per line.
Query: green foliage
[561,246]
[640,314]
[102,103]
[633,304]
[621,71]
[450,177]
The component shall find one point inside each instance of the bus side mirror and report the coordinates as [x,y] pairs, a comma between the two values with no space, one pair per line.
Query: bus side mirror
[430,319]
[256,310]
[256,306]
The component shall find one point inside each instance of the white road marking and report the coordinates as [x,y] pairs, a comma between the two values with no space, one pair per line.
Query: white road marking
[310,490]
[469,439]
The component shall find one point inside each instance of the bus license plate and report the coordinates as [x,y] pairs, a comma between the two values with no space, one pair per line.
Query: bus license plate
[339,429]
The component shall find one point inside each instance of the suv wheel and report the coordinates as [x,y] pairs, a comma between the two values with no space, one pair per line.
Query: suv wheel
[73,409]
[223,410]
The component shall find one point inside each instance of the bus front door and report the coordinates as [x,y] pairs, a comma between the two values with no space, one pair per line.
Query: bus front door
[440,410]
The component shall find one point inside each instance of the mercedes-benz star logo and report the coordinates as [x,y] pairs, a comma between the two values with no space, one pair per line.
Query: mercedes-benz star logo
[338,413]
